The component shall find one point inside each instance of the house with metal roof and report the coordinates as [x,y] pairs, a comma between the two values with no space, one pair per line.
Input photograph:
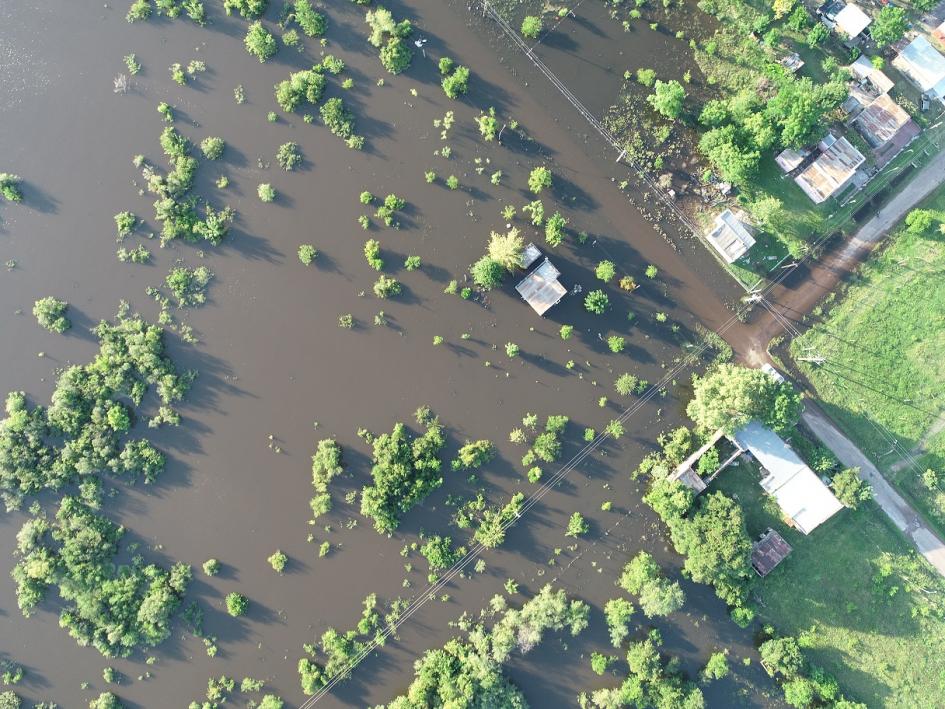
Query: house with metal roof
[769,551]
[541,288]
[924,66]
[833,171]
[802,496]
[731,237]
[851,21]
[886,127]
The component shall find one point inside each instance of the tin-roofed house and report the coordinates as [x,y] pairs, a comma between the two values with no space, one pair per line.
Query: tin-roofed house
[832,172]
[851,22]
[731,236]
[802,496]
[541,288]
[924,66]
[886,127]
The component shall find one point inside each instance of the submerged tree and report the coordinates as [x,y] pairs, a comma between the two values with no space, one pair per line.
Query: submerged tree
[259,42]
[51,314]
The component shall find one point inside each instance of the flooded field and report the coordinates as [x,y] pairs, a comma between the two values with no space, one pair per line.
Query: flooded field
[272,360]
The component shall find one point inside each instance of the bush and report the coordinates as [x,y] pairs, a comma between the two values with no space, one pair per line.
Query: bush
[307,254]
[278,561]
[577,525]
[307,85]
[385,287]
[554,229]
[212,148]
[487,273]
[289,156]
[10,187]
[125,222]
[372,252]
[259,42]
[236,604]
[531,27]
[211,567]
[266,192]
[248,9]
[605,271]
[340,120]
[390,37]
[539,178]
[596,302]
[667,98]
[105,700]
[312,23]
[189,285]
[51,314]
[456,83]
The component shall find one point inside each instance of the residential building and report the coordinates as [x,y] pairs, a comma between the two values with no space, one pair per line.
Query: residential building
[802,496]
[886,127]
[833,171]
[731,236]
[924,66]
[541,288]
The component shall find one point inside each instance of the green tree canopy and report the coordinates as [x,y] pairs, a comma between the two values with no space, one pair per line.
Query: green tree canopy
[729,396]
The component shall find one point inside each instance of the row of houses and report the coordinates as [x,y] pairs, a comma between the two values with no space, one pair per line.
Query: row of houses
[835,165]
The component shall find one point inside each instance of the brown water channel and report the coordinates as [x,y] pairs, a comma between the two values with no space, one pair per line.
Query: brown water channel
[272,359]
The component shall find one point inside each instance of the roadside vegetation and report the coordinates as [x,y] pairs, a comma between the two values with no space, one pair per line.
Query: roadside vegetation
[879,341]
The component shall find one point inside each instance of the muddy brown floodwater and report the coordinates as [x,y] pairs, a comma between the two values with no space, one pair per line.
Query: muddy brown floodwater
[272,359]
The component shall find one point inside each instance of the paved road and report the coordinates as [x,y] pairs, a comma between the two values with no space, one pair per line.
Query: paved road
[900,512]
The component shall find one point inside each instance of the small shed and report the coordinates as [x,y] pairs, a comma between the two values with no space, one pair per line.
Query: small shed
[863,71]
[833,171]
[731,237]
[531,254]
[541,288]
[769,551]
[924,65]
[802,496]
[851,21]
[792,62]
[790,159]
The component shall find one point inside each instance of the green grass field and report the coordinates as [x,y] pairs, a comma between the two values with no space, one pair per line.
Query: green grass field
[883,341]
[858,598]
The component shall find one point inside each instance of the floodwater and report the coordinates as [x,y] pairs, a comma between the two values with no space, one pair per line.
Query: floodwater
[272,360]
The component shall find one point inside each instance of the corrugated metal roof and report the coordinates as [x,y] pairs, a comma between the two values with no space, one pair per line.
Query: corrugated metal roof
[830,172]
[879,122]
[924,64]
[731,237]
[800,494]
[851,20]
[541,288]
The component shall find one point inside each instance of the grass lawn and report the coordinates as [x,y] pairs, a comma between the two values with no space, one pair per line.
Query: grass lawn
[883,342]
[857,597]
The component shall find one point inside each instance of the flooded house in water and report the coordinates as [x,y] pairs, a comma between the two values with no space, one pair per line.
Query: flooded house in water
[541,288]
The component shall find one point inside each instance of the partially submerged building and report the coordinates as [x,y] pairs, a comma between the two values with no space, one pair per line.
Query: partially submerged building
[731,236]
[924,66]
[886,127]
[833,171]
[541,288]
[802,496]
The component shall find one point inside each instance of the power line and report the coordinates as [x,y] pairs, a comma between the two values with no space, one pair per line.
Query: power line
[477,549]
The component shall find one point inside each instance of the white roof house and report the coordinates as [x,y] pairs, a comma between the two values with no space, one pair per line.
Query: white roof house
[851,21]
[832,171]
[541,288]
[802,496]
[731,236]
[924,65]
[863,70]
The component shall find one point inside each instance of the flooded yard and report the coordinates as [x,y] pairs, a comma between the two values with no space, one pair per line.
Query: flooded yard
[277,373]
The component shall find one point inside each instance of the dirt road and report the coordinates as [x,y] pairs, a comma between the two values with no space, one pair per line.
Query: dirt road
[899,511]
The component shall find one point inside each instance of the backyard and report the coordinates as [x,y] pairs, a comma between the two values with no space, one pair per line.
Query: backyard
[864,606]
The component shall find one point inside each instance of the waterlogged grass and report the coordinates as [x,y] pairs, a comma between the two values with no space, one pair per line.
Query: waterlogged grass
[865,607]
[883,342]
